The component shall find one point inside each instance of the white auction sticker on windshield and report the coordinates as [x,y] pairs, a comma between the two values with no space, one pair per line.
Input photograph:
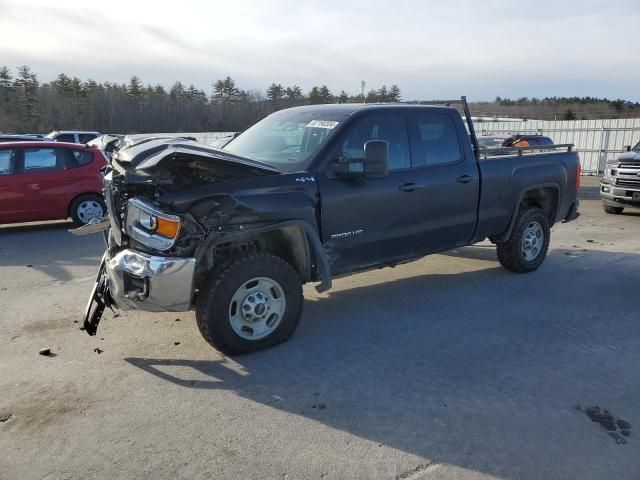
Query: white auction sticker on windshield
[322,124]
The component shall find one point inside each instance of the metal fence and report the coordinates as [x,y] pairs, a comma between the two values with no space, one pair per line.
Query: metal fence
[596,140]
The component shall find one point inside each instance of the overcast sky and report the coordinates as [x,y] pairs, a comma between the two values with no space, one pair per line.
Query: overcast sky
[431,49]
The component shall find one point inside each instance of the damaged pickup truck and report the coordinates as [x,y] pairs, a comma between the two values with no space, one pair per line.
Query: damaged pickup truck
[308,194]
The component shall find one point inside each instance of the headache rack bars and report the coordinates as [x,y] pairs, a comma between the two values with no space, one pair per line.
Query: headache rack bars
[494,152]
[486,152]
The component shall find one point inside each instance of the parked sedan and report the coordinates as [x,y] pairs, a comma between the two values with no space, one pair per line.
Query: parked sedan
[43,180]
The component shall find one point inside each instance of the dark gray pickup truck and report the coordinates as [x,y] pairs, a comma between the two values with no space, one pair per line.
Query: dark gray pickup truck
[308,194]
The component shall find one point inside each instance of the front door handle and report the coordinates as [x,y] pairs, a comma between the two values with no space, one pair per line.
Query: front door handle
[409,187]
[464,179]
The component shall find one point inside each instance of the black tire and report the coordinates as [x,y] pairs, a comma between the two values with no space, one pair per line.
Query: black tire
[511,254]
[214,302]
[74,210]
[612,210]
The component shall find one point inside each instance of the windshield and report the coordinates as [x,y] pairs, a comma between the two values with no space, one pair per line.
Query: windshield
[636,148]
[286,141]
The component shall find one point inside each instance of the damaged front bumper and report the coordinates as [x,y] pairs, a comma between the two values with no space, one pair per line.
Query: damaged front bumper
[131,280]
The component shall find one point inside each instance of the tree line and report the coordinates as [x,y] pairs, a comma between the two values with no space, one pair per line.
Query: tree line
[559,108]
[69,103]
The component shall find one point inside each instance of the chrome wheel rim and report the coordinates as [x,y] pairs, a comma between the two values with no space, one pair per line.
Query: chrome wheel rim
[256,308]
[532,241]
[88,210]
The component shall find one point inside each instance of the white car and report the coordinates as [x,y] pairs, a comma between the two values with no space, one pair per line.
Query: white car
[72,136]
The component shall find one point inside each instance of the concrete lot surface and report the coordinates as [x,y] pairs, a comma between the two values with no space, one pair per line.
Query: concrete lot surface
[446,368]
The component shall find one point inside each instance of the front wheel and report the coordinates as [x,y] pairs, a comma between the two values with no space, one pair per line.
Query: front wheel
[252,302]
[611,209]
[526,248]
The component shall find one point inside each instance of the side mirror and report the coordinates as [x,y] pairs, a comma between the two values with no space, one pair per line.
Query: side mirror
[376,159]
[627,148]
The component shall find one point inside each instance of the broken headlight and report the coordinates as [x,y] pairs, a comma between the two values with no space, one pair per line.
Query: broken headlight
[151,227]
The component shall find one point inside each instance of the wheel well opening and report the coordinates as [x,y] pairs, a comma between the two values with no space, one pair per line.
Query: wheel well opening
[544,198]
[289,243]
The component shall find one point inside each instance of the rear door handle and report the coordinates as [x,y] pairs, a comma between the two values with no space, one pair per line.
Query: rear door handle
[464,179]
[409,187]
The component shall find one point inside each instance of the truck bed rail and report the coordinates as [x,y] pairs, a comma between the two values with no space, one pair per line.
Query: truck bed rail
[519,151]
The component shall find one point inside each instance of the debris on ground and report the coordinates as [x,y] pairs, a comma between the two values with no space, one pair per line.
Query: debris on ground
[98,350]
[616,428]
[176,343]
[28,265]
[177,319]
[4,417]
[45,351]
[319,406]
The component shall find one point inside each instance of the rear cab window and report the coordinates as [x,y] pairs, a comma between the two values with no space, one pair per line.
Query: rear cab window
[436,140]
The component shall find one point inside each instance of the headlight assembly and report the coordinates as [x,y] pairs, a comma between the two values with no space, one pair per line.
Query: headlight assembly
[151,227]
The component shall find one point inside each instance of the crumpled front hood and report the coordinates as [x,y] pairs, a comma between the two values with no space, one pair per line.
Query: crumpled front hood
[147,152]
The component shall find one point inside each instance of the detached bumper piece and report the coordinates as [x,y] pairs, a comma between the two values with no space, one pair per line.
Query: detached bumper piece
[154,284]
[98,301]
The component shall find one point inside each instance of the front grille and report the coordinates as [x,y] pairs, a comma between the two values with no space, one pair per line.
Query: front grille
[626,182]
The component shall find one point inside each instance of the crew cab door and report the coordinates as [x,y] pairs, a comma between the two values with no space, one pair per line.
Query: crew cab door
[371,221]
[8,187]
[448,175]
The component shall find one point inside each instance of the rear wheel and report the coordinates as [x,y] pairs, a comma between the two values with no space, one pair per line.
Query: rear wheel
[86,208]
[526,248]
[252,302]
[611,209]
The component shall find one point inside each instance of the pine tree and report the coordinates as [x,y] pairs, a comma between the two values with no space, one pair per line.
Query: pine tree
[294,93]
[26,85]
[275,92]
[5,83]
[394,93]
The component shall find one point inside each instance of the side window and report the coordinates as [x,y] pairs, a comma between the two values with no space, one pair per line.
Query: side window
[390,128]
[37,159]
[82,157]
[438,142]
[66,137]
[6,161]
[86,137]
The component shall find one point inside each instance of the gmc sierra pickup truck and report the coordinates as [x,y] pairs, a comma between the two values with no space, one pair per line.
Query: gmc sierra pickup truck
[308,194]
[620,185]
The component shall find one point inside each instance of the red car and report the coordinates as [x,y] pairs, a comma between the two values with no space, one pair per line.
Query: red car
[43,180]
